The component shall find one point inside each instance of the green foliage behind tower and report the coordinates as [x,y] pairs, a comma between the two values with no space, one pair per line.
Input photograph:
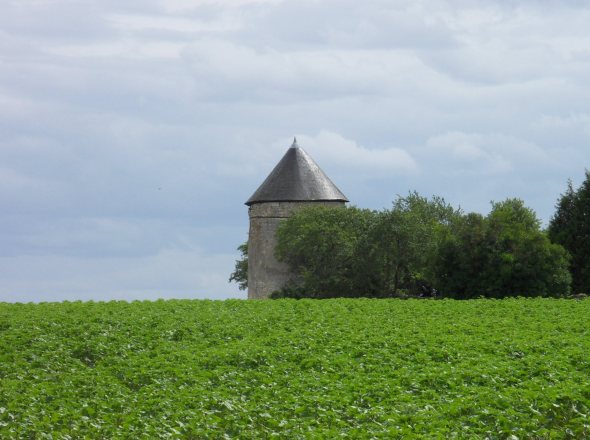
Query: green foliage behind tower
[421,247]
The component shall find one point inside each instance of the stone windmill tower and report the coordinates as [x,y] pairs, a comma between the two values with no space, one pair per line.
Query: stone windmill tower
[295,182]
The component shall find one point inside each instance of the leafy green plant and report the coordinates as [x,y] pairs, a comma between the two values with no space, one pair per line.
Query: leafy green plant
[356,368]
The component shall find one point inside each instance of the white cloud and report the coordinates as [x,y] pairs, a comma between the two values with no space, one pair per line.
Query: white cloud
[133,23]
[337,151]
[184,6]
[223,69]
[130,49]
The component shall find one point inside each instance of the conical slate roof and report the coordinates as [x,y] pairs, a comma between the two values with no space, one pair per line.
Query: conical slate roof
[296,178]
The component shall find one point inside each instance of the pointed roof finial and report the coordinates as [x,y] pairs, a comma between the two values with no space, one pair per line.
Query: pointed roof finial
[294,142]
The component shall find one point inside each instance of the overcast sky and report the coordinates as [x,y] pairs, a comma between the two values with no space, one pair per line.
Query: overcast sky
[133,131]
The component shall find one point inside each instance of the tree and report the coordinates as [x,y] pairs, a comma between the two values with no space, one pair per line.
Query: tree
[462,259]
[319,244]
[503,254]
[570,227]
[354,252]
[522,256]
[240,273]
[401,245]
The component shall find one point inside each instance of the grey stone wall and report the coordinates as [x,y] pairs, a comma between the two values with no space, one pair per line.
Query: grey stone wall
[265,273]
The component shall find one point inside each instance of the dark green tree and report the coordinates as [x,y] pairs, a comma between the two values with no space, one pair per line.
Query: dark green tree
[240,273]
[522,256]
[401,245]
[353,252]
[503,254]
[462,259]
[319,244]
[570,227]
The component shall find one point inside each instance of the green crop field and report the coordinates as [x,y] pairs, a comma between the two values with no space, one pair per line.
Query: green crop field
[515,368]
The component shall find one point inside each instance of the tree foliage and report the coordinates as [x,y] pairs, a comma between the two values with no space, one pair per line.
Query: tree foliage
[503,254]
[240,273]
[570,227]
[398,251]
[353,252]
[424,246]
[320,244]
[421,245]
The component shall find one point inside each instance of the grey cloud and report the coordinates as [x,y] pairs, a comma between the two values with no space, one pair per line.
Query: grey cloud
[487,154]
[349,25]
[53,20]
